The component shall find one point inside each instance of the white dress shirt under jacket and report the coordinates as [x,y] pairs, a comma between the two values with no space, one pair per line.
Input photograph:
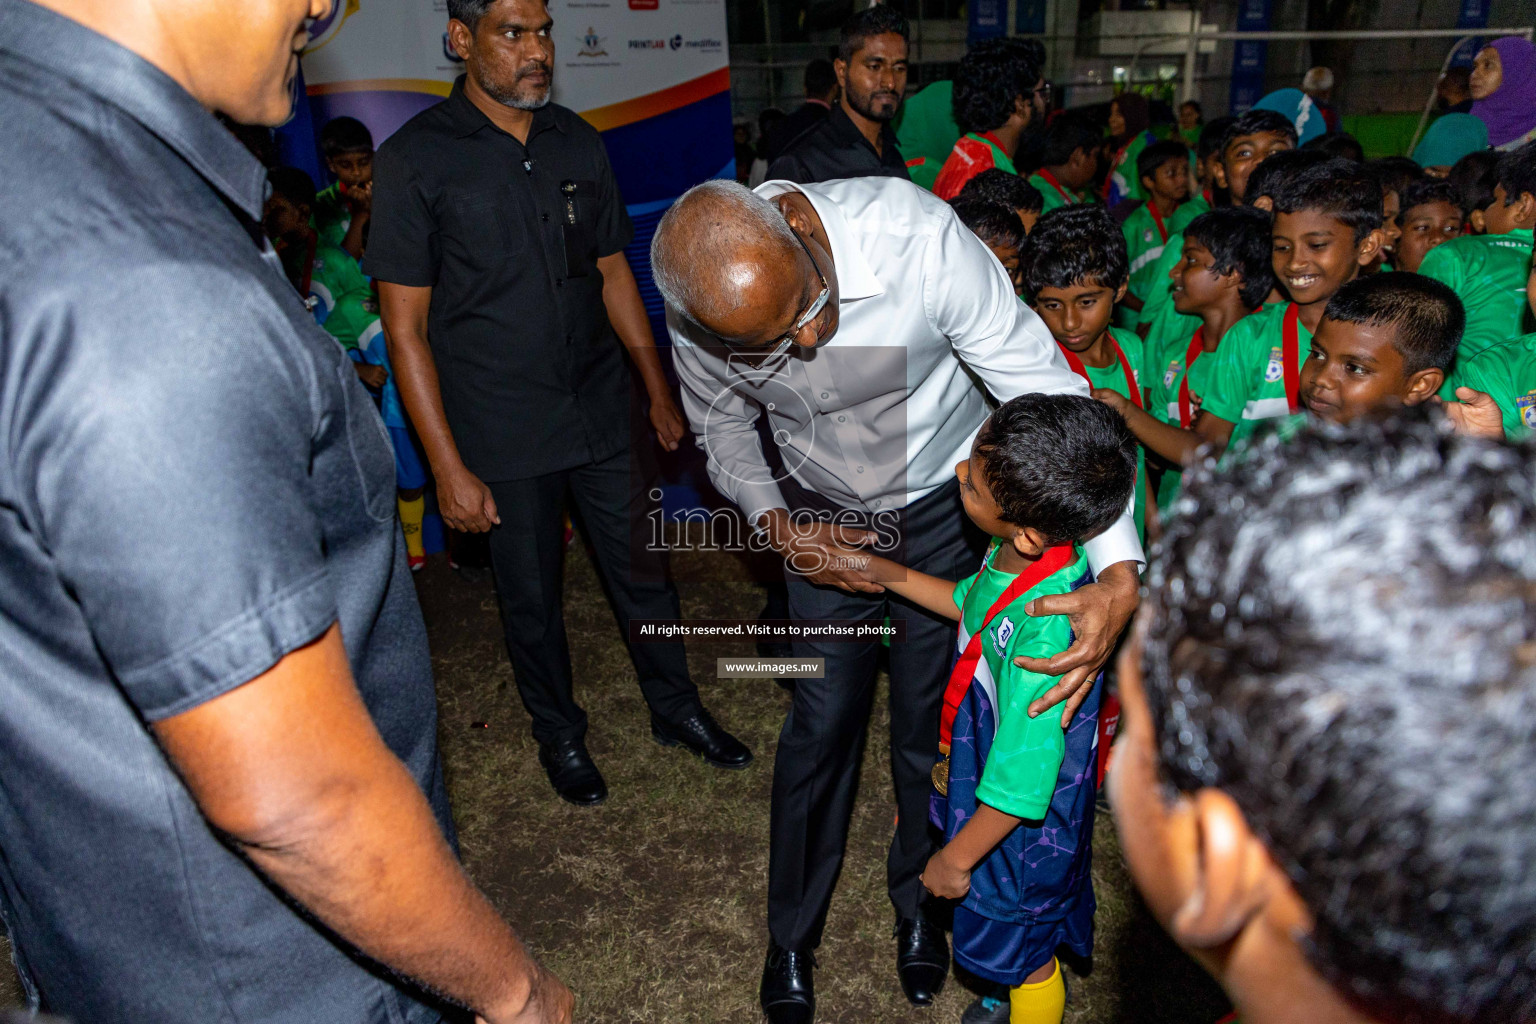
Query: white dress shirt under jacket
[877,416]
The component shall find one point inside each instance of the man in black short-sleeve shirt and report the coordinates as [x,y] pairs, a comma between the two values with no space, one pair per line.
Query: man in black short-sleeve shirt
[497,240]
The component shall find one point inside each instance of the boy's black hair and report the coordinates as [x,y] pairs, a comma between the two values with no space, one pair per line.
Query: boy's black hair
[1193,103]
[1339,144]
[1065,135]
[990,77]
[989,220]
[345,135]
[1427,190]
[820,77]
[1338,188]
[1061,464]
[1517,172]
[293,184]
[469,11]
[878,20]
[1473,177]
[1157,154]
[997,185]
[1284,169]
[1394,173]
[1212,136]
[1425,316]
[1073,245]
[1258,122]
[1339,634]
[1239,241]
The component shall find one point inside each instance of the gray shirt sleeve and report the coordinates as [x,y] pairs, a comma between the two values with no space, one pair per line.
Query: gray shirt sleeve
[161,450]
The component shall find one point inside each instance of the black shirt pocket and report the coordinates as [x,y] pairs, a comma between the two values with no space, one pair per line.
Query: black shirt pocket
[487,225]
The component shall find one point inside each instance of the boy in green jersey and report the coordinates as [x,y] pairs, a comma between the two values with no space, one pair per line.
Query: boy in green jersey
[1488,271]
[1163,171]
[1322,780]
[1074,270]
[1248,142]
[1507,374]
[1015,794]
[1327,225]
[1224,276]
[1430,217]
[1069,161]
[342,210]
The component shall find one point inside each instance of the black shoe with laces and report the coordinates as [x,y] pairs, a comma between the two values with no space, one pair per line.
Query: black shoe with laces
[922,959]
[572,772]
[701,734]
[787,993]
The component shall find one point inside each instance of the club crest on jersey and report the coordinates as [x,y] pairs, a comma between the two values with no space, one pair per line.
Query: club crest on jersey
[1527,405]
[1276,368]
[1001,634]
[1172,374]
[1146,236]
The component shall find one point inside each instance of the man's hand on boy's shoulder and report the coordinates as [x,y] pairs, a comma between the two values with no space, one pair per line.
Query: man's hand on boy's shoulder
[1475,414]
[1099,613]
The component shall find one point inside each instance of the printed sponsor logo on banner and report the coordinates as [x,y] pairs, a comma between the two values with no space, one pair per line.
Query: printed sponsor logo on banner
[591,44]
[647,44]
[702,45]
[644,5]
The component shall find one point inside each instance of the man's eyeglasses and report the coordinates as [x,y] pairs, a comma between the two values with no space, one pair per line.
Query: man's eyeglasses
[1044,92]
[819,303]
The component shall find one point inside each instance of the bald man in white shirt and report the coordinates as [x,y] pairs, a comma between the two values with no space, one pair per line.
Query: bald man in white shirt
[868,324]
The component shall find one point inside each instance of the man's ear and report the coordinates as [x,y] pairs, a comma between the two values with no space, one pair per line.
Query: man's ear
[1023,110]
[1370,247]
[793,215]
[1525,208]
[1030,542]
[1232,880]
[1423,386]
[840,69]
[460,38]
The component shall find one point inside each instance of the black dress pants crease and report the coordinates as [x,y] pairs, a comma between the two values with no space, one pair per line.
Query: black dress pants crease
[527,559]
[815,772]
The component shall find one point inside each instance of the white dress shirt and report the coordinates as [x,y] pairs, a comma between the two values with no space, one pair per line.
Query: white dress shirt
[877,415]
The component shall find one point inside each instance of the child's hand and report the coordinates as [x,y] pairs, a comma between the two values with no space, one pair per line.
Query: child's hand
[373,376]
[360,197]
[1112,398]
[943,880]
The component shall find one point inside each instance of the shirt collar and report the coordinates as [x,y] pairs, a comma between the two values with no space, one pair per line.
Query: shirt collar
[840,122]
[855,280]
[468,118]
[117,76]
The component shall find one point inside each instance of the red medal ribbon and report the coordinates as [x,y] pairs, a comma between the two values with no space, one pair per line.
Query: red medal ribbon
[1157,218]
[1292,356]
[1052,560]
[1051,179]
[1133,391]
[1186,406]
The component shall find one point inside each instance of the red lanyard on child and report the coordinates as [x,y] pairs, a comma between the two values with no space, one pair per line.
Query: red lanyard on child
[1051,179]
[1157,218]
[1186,406]
[1209,200]
[1052,560]
[1125,366]
[1291,353]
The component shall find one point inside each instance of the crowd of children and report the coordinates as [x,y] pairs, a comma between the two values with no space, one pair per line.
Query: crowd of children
[1249,296]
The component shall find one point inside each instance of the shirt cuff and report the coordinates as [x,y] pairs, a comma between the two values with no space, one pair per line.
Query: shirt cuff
[755,499]
[1119,543]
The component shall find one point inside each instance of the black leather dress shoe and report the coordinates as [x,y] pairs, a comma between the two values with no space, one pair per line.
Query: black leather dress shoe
[787,994]
[702,735]
[922,959]
[572,772]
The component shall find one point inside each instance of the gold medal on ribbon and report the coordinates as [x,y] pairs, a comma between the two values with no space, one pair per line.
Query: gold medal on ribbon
[940,776]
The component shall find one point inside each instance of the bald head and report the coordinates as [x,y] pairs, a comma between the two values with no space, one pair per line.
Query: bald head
[725,258]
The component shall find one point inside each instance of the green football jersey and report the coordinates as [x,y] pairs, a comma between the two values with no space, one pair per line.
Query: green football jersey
[1507,374]
[1146,237]
[1056,194]
[1244,381]
[345,295]
[332,216]
[1020,773]
[1489,273]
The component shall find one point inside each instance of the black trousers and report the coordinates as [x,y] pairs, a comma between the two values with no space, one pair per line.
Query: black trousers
[528,558]
[815,773]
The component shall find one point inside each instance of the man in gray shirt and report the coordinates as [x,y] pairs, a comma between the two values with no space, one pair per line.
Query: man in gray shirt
[222,796]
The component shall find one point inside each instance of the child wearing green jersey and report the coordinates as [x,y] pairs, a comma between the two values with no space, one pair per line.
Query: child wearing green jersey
[1327,225]
[1488,271]
[1163,171]
[1224,276]
[1074,270]
[1069,161]
[1015,794]
[342,209]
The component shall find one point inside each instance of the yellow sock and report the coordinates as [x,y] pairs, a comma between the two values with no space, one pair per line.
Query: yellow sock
[411,514]
[1044,1002]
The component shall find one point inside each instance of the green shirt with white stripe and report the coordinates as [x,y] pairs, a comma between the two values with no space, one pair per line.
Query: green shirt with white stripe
[1243,381]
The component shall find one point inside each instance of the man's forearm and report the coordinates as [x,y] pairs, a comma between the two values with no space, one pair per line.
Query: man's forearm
[626,312]
[374,867]
[404,312]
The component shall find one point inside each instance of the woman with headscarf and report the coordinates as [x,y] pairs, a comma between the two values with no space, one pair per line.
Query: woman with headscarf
[1129,117]
[1504,91]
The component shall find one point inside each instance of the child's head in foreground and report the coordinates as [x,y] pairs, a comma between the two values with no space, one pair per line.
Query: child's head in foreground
[1075,269]
[999,229]
[1385,341]
[1047,470]
[348,148]
[999,186]
[1514,193]
[1322,779]
[1326,227]
[1226,257]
